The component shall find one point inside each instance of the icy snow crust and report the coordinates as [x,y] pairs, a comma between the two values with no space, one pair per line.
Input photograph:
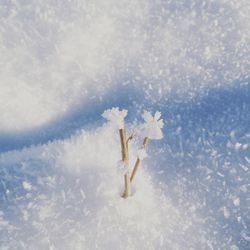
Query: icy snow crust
[63,63]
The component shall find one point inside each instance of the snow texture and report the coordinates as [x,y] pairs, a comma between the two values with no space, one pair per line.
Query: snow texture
[63,63]
[75,201]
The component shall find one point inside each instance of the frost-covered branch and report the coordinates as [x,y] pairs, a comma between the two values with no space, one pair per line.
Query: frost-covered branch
[140,156]
[153,125]
[152,129]
[115,117]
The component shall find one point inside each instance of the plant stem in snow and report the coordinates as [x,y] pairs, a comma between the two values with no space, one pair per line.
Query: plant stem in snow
[125,160]
[138,161]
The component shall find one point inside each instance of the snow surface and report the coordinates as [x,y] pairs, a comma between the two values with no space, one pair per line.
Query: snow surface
[66,195]
[62,63]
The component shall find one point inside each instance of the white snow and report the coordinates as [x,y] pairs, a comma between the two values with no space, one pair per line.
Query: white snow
[55,56]
[226,212]
[238,146]
[27,186]
[236,201]
[63,62]
[75,200]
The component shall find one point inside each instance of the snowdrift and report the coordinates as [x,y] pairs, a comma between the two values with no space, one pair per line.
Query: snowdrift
[67,195]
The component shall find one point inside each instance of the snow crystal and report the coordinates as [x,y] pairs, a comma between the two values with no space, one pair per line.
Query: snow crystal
[115,116]
[238,146]
[236,202]
[27,186]
[245,235]
[226,212]
[247,159]
[152,128]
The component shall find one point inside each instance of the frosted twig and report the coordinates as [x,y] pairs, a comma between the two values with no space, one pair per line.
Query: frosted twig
[116,117]
[138,160]
[126,163]
[151,130]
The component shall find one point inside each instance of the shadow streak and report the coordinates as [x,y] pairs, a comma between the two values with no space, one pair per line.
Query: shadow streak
[87,115]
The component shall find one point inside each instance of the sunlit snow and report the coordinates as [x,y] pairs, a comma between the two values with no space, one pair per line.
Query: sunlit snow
[63,63]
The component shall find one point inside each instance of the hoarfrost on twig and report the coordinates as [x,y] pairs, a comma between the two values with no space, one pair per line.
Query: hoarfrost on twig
[115,116]
[153,125]
[122,168]
[142,154]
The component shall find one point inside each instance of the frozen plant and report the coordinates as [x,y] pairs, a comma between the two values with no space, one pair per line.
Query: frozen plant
[151,129]
[115,116]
